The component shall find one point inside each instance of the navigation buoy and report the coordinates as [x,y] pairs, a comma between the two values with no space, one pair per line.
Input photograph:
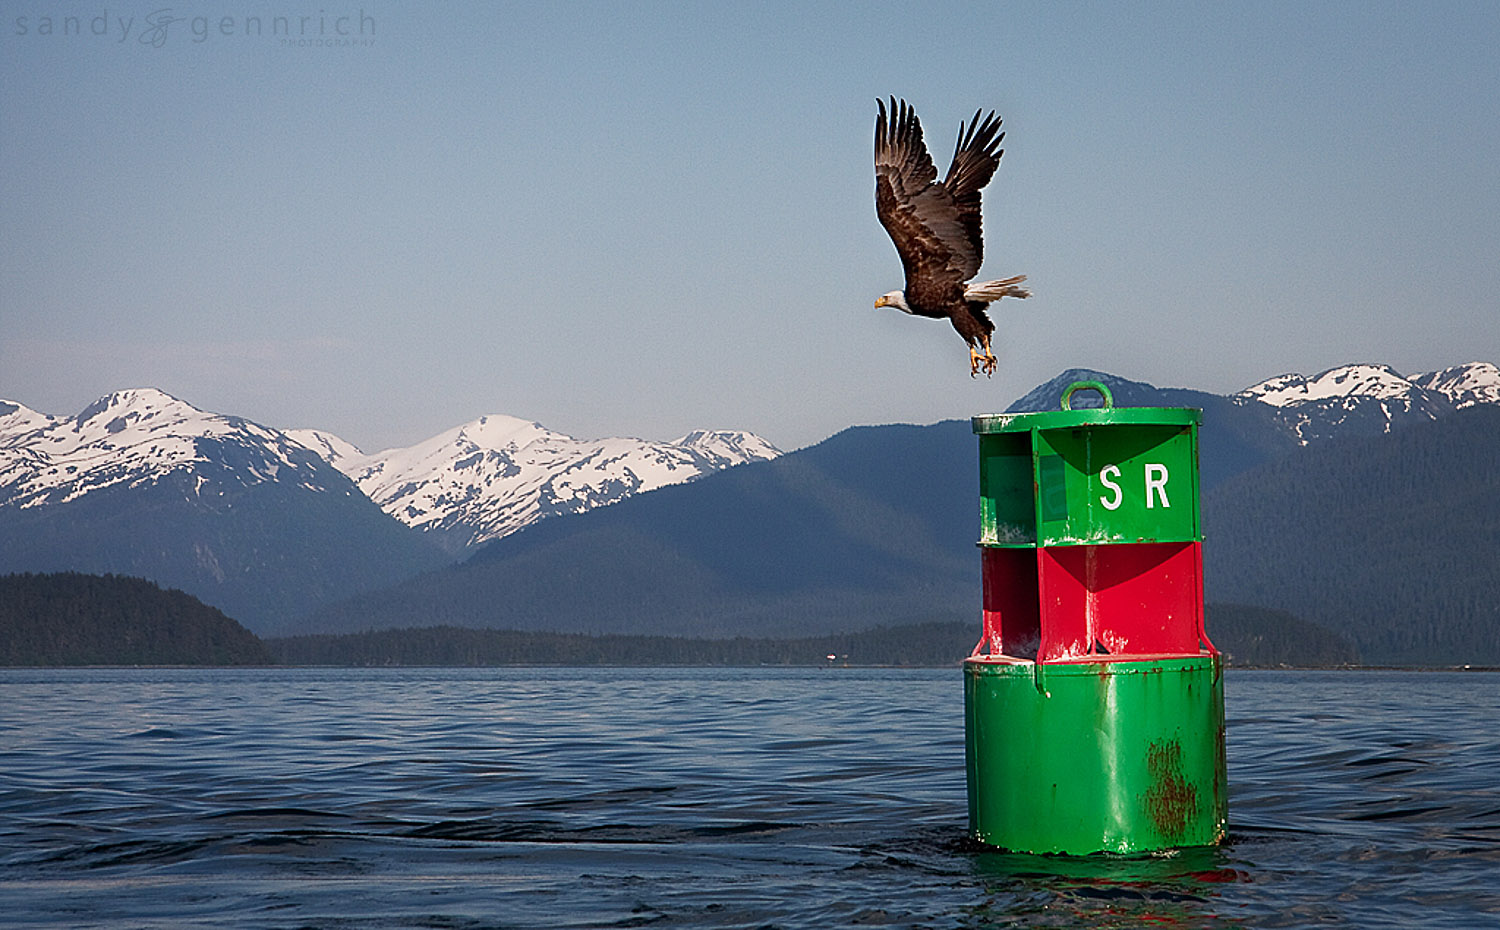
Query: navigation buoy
[1094,701]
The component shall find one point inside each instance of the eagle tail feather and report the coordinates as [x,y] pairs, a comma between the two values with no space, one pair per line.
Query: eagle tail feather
[994,290]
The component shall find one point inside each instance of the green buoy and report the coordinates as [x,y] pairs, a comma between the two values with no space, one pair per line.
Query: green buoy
[1094,702]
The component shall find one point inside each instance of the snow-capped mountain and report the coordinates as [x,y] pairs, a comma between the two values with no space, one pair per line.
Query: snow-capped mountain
[497,474]
[329,447]
[137,437]
[1465,385]
[474,483]
[1293,390]
[16,420]
[237,514]
[268,525]
[1370,399]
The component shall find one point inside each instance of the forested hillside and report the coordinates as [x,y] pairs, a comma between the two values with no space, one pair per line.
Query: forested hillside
[1390,540]
[875,526]
[75,619]
[1258,637]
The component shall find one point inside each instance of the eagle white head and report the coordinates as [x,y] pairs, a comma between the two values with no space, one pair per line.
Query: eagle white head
[895,299]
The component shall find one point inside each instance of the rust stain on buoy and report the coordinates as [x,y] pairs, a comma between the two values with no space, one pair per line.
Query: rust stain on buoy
[1172,801]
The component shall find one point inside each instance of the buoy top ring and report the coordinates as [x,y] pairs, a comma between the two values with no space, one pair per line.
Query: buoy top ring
[1076,386]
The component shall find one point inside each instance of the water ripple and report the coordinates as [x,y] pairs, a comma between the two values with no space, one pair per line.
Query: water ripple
[697,798]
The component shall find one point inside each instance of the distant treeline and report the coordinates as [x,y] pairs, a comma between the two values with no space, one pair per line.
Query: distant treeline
[1258,637]
[76,619]
[925,644]
[1248,636]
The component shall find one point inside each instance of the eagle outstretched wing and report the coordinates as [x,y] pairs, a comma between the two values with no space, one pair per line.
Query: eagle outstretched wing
[936,226]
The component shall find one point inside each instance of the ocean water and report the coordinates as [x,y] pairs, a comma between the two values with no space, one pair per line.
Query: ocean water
[496,798]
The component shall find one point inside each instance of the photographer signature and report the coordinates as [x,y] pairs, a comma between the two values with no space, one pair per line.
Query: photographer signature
[156,35]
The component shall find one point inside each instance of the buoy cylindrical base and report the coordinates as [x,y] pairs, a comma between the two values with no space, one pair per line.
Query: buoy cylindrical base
[1083,757]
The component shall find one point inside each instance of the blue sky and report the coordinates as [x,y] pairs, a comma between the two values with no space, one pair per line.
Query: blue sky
[640,219]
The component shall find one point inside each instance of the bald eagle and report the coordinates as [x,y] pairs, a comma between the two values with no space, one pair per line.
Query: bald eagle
[936,226]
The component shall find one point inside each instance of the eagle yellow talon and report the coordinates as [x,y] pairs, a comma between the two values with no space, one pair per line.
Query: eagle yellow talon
[985,363]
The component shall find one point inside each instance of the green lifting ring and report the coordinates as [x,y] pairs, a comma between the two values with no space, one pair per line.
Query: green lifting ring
[1076,386]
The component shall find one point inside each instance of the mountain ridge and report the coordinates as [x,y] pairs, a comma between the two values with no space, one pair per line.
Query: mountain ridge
[1369,399]
[135,437]
[876,526]
[497,474]
[873,525]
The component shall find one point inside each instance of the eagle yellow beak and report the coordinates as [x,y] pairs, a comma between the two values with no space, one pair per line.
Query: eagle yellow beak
[880,302]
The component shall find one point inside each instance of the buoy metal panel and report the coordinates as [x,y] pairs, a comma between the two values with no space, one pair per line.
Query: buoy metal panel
[1086,757]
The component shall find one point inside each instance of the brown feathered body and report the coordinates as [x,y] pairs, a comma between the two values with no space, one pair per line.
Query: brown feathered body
[936,225]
